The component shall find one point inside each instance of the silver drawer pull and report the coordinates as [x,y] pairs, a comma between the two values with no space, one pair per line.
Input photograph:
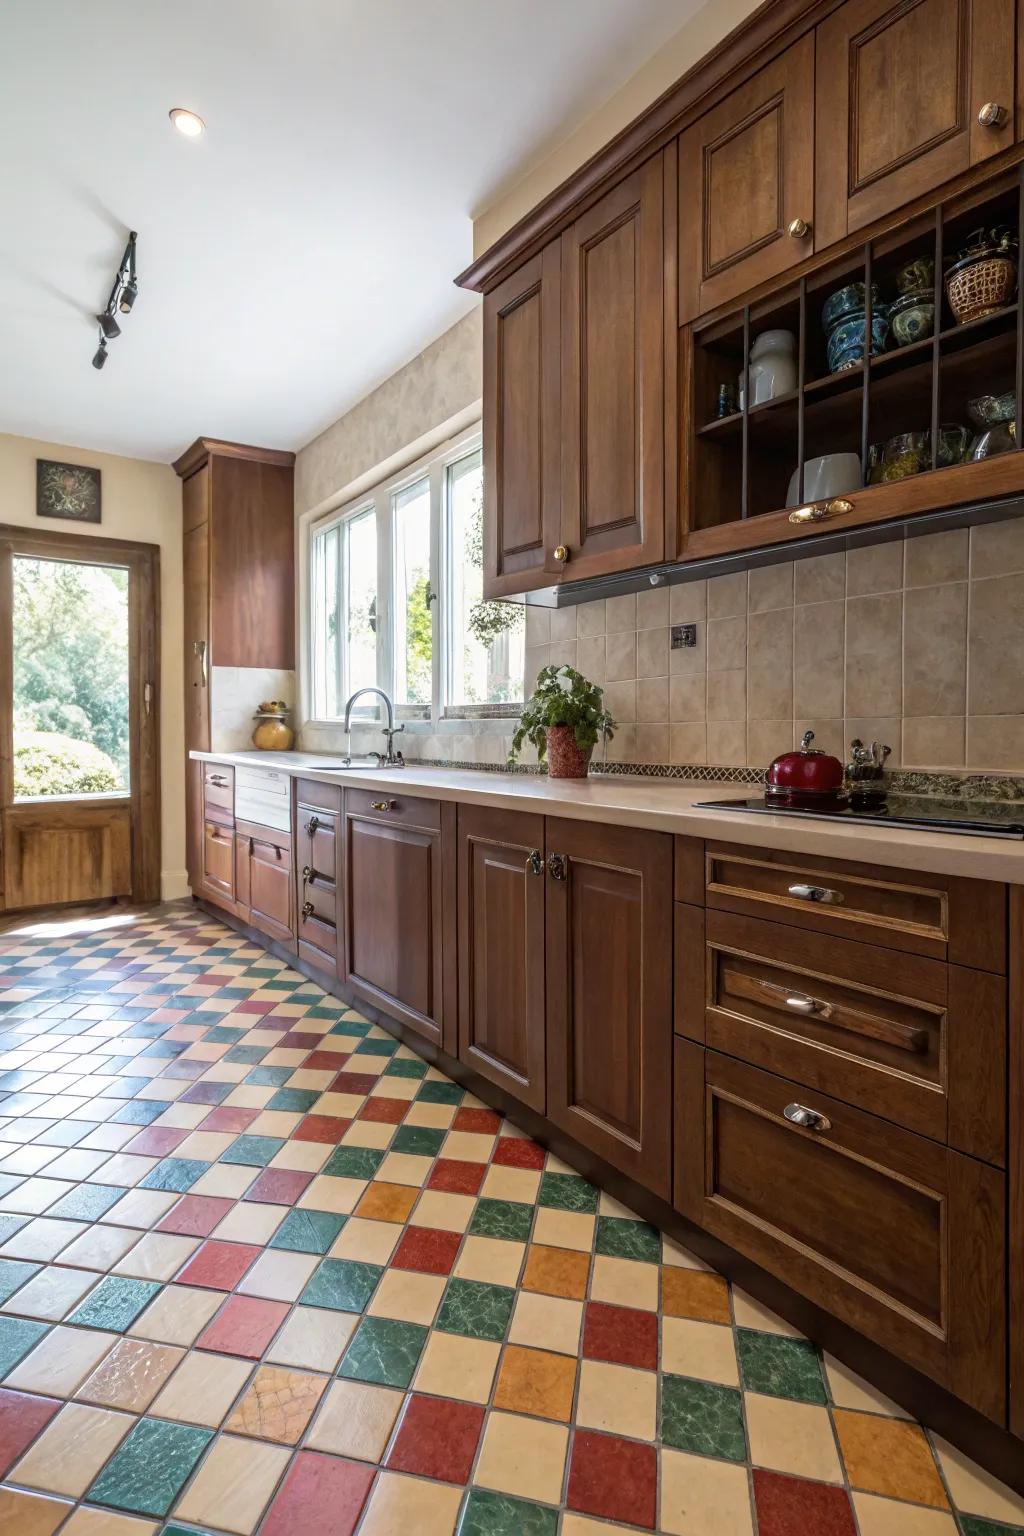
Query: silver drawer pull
[218,779]
[809,1119]
[801,1003]
[818,893]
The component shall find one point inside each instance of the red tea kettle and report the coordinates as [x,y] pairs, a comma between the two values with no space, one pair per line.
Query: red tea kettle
[809,774]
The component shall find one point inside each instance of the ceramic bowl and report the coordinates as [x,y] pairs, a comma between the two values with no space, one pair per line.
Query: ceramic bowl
[917,276]
[833,474]
[912,318]
[988,410]
[846,341]
[845,301]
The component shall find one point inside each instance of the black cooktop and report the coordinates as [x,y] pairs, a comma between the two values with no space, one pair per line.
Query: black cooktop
[977,818]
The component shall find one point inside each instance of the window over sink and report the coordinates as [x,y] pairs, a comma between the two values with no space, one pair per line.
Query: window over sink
[396,584]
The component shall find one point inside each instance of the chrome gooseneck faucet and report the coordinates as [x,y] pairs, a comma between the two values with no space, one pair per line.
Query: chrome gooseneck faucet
[390,758]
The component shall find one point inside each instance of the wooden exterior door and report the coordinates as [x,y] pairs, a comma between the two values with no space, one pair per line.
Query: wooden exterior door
[900,84]
[613,379]
[397,909]
[609,994]
[501,949]
[899,1236]
[522,438]
[746,185]
[97,842]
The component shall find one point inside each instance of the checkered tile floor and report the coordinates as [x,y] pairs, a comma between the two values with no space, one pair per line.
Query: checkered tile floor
[261,1269]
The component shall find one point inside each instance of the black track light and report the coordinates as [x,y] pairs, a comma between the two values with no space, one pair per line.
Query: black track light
[108,325]
[122,300]
[129,293]
[100,356]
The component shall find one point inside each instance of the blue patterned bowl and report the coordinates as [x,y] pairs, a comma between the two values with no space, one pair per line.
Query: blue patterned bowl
[846,301]
[846,341]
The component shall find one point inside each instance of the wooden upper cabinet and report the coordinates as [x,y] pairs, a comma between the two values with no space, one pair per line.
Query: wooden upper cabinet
[522,438]
[613,379]
[900,84]
[746,176]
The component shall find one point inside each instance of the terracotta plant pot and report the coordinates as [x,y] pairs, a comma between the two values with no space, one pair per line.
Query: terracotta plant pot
[565,759]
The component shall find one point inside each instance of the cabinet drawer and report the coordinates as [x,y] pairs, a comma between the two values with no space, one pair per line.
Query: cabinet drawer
[894,1034]
[311,794]
[936,915]
[900,1238]
[218,792]
[385,805]
[219,860]
[318,917]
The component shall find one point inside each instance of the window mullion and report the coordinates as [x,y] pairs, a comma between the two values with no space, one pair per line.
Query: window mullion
[385,593]
[439,587]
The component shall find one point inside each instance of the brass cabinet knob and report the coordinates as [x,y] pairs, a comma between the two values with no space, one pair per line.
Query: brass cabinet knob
[798,229]
[560,553]
[382,805]
[311,825]
[308,909]
[992,115]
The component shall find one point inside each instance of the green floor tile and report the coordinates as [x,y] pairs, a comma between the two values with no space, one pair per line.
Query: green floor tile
[86,1203]
[622,1239]
[268,1077]
[377,1047]
[246,1055]
[405,1066]
[779,1367]
[16,1339]
[384,1351]
[344,1285]
[971,1525]
[148,1472]
[498,1514]
[252,1151]
[703,1418]
[353,1162]
[502,1218]
[434,1092]
[299,1100]
[308,1231]
[567,1192]
[115,1303]
[475,1310]
[419,1140]
[222,1034]
[350,1027]
[13,1274]
[174,1174]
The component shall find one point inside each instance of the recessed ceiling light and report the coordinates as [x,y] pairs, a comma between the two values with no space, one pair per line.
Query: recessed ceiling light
[186,122]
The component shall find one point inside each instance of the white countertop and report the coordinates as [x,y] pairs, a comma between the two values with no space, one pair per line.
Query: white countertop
[667,805]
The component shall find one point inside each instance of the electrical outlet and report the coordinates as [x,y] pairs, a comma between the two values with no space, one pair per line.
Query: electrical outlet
[684,636]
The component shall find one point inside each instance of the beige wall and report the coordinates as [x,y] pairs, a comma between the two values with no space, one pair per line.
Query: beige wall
[141,501]
[700,34]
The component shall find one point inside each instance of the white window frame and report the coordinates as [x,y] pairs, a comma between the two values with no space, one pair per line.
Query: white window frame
[432,466]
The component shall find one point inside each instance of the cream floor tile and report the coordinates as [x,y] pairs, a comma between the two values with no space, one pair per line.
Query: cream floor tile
[751,1314]
[177,1315]
[313,1338]
[699,1495]
[205,1145]
[203,1388]
[140,1208]
[52,1293]
[625,1283]
[410,1504]
[443,1212]
[42,1239]
[274,1122]
[301,1156]
[234,1484]
[61,1361]
[250,1222]
[35,1195]
[491,1259]
[30,1514]
[454,1366]
[130,1376]
[396,1088]
[467,1147]
[564,1229]
[408,1296]
[343,1105]
[547,1322]
[404,1168]
[581,1525]
[520,1184]
[100,1247]
[158,1256]
[886,1517]
[851,1391]
[89,1521]
[341,1196]
[436,1116]
[618,1400]
[356,1420]
[522,1456]
[126,1168]
[183,1117]
[368,1133]
[373,1242]
[706,1351]
[72,1449]
[975,1492]
[279,1275]
[792,1437]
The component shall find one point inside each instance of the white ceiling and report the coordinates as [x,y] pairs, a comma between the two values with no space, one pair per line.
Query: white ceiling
[304,248]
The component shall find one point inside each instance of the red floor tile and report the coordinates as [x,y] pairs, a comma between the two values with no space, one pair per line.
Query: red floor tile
[278,1186]
[788,1506]
[195,1215]
[384,1111]
[301,1040]
[483,1121]
[432,1253]
[22,1416]
[354,1082]
[455,1177]
[251,1005]
[156,1141]
[203,1093]
[327,1129]
[228,1118]
[187,1071]
[321,1496]
[622,1335]
[244,1326]
[438,1438]
[518,1152]
[616,1479]
[325,1061]
[219,1265]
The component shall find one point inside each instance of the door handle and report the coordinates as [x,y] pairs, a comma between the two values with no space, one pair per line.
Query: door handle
[147,697]
[535,863]
[199,647]
[817,893]
[382,805]
[808,1119]
[800,1003]
[557,866]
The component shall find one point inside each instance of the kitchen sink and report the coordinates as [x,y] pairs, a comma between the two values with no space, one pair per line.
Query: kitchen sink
[352,765]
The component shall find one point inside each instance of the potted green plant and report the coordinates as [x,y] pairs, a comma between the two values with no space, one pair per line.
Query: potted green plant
[563,720]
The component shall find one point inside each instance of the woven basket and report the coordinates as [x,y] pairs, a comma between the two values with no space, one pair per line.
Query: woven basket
[982,288]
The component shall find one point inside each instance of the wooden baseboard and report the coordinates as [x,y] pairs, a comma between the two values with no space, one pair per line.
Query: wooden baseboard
[995,1449]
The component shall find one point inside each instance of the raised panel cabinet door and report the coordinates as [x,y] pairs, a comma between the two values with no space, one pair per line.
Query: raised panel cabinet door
[270,888]
[900,86]
[394,917]
[609,994]
[613,379]
[522,440]
[218,861]
[501,949]
[746,185]
[316,922]
[898,1236]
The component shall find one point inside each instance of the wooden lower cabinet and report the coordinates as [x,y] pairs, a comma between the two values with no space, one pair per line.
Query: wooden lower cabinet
[317,817]
[218,868]
[898,1236]
[609,994]
[502,885]
[268,882]
[398,901]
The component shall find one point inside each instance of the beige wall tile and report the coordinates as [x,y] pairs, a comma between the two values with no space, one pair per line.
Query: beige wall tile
[620,613]
[874,568]
[819,639]
[687,602]
[563,623]
[590,619]
[997,548]
[652,743]
[590,658]
[620,701]
[766,739]
[727,695]
[770,664]
[727,743]
[727,643]
[874,662]
[538,626]
[770,586]
[687,699]
[934,742]
[620,654]
[622,748]
[996,742]
[562,653]
[688,743]
[996,638]
[652,607]
[935,557]
[537,656]
[652,696]
[652,653]
[935,649]
[727,595]
[819,578]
